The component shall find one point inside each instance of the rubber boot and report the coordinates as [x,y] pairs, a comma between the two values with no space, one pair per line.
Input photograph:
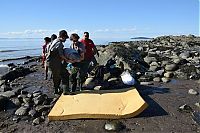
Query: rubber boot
[56,90]
[65,89]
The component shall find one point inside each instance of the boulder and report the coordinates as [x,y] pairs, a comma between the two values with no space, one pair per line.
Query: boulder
[170,67]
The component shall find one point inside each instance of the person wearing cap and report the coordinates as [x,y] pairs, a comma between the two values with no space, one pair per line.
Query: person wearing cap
[57,63]
[90,53]
[79,71]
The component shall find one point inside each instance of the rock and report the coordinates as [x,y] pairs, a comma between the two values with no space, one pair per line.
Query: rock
[22,111]
[165,80]
[196,117]
[145,78]
[2,82]
[164,63]
[98,88]
[168,74]
[42,108]
[37,121]
[157,79]
[39,99]
[197,104]
[26,100]
[5,88]
[185,108]
[8,94]
[3,102]
[184,55]
[23,92]
[45,113]
[161,72]
[192,92]
[153,68]
[16,102]
[16,118]
[177,61]
[33,113]
[171,67]
[29,95]
[150,59]
[15,73]
[146,83]
[114,126]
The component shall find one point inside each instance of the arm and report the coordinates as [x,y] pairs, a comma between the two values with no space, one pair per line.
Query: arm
[95,51]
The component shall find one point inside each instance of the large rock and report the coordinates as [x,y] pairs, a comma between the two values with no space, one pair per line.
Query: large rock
[171,67]
[8,94]
[22,111]
[17,72]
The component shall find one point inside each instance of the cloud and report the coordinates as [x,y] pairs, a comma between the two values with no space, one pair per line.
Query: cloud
[117,30]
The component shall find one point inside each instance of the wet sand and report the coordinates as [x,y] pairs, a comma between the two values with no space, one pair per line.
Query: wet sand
[162,115]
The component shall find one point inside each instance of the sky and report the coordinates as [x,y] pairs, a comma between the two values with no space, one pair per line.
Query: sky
[104,19]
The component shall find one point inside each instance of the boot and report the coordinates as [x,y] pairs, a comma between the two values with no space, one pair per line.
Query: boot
[65,89]
[56,90]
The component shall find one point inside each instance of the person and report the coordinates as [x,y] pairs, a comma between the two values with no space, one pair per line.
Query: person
[90,53]
[47,40]
[79,71]
[53,37]
[57,63]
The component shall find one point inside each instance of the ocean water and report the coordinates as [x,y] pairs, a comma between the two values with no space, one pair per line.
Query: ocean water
[17,48]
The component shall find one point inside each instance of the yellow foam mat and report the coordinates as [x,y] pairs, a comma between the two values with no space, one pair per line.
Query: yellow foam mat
[98,105]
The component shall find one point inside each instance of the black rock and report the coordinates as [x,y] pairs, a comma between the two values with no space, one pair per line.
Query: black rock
[37,121]
[15,73]
[185,108]
[5,87]
[33,113]
[3,102]
[114,126]
[16,102]
[42,108]
[196,117]
[39,99]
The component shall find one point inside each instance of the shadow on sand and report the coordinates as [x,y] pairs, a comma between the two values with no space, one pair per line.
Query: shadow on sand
[154,109]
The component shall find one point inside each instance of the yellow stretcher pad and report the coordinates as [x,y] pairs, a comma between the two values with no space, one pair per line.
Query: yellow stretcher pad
[99,105]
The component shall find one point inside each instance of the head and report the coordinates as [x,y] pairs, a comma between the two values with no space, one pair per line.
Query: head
[74,37]
[63,35]
[53,37]
[86,35]
[47,40]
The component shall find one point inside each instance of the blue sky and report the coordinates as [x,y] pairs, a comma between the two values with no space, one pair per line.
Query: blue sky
[103,18]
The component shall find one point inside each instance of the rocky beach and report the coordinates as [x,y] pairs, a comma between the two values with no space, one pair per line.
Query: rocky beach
[167,74]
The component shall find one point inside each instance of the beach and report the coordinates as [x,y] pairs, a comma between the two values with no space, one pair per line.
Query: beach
[164,96]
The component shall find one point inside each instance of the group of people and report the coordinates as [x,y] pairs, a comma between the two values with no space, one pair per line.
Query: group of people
[55,61]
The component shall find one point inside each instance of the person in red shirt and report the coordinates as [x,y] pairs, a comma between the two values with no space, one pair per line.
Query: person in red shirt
[91,51]
[47,40]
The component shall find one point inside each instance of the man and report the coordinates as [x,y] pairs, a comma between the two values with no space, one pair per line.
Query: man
[57,62]
[91,50]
